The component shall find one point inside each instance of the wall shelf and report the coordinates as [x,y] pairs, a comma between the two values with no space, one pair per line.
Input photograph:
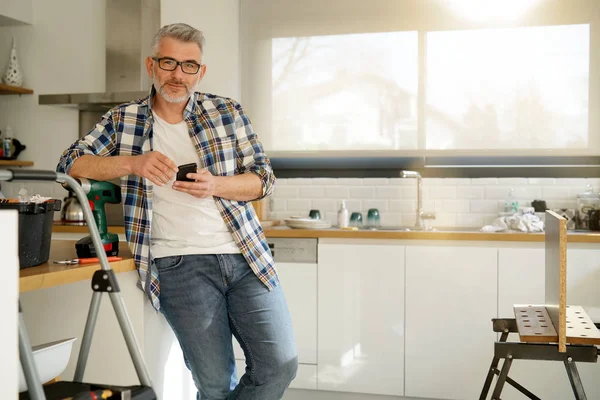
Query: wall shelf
[15,163]
[8,89]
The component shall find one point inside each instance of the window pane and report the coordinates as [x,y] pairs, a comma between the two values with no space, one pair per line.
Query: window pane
[524,88]
[343,92]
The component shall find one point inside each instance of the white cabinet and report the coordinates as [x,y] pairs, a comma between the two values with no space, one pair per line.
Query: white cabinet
[520,277]
[521,273]
[451,297]
[361,317]
[299,283]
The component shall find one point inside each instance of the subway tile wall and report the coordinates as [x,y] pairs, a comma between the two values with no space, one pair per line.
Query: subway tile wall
[456,202]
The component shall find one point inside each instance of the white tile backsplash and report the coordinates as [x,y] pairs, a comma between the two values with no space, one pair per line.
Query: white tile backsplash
[402,205]
[457,202]
[484,181]
[442,192]
[470,192]
[285,192]
[483,206]
[301,206]
[312,192]
[337,192]
[362,192]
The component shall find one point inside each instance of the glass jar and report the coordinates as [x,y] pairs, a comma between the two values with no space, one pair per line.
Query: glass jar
[586,201]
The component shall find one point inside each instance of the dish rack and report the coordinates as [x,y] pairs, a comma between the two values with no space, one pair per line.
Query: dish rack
[103,281]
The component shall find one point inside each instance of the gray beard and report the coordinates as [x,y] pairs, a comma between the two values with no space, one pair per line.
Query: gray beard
[171,99]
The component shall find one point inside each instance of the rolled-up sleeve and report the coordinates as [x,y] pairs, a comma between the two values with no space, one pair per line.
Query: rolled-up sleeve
[251,156]
[100,141]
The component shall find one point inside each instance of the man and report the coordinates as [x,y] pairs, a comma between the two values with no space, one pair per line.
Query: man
[201,253]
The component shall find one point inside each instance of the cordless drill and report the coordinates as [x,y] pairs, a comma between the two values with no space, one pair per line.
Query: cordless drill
[98,194]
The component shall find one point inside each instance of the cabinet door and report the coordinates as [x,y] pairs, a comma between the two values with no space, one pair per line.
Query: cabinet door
[583,278]
[361,318]
[299,283]
[520,278]
[451,296]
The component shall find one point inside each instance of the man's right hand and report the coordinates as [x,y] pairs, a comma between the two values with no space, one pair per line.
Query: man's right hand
[155,166]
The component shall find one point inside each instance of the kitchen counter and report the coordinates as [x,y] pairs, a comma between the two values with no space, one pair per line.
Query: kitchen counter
[49,275]
[468,234]
[472,234]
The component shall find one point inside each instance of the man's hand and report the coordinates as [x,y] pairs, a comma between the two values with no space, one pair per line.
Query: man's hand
[154,166]
[203,187]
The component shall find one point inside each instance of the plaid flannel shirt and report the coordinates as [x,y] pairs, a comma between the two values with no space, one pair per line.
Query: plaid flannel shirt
[226,145]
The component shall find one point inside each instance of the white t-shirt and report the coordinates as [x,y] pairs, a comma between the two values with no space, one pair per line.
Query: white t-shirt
[181,223]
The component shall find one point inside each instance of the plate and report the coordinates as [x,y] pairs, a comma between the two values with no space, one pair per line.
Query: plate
[307,223]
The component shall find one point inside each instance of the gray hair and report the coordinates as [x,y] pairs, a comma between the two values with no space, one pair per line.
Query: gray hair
[181,32]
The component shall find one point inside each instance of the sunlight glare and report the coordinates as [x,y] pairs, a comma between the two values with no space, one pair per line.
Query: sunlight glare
[486,10]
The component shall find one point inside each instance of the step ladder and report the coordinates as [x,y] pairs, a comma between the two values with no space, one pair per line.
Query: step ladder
[103,281]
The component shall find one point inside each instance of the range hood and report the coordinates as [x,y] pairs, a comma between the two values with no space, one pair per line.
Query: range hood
[129,28]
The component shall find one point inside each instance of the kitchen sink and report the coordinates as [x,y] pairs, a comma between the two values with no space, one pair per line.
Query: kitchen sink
[412,228]
[404,228]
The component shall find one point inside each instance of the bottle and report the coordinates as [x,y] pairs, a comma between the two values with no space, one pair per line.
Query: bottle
[343,215]
[6,143]
[510,204]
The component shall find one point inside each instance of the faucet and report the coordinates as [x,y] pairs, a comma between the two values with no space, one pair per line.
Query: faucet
[420,214]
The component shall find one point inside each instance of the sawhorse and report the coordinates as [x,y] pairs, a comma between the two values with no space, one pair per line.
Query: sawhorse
[510,351]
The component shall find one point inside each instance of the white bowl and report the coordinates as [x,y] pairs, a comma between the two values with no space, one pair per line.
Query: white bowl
[51,359]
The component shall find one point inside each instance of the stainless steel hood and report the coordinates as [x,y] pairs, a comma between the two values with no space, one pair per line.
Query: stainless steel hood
[129,28]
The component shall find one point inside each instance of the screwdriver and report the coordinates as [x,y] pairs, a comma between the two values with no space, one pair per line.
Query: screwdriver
[82,261]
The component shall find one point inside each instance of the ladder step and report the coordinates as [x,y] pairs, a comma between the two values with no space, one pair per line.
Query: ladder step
[64,389]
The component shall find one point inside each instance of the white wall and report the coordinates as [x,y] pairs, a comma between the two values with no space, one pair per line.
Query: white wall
[61,52]
[219,21]
[16,12]
[8,305]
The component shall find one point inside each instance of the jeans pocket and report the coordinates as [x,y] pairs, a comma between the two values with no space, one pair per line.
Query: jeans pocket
[164,264]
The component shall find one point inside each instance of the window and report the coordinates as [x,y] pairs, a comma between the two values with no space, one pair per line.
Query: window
[416,78]
[522,88]
[343,92]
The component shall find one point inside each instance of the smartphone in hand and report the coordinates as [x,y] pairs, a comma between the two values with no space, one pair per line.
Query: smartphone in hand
[186,169]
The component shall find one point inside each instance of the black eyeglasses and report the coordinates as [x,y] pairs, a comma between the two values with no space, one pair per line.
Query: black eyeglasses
[169,64]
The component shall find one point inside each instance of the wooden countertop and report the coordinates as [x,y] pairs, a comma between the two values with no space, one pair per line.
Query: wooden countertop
[65,228]
[49,275]
[469,234]
[446,234]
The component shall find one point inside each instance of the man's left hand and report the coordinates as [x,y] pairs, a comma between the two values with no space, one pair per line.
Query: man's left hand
[204,185]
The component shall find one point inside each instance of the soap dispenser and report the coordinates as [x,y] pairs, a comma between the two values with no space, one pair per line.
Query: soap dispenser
[343,218]
[510,204]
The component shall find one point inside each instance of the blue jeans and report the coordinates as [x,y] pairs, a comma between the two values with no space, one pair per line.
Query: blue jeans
[206,299]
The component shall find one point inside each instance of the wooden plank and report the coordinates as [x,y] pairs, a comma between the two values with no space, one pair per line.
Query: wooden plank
[580,327]
[534,324]
[61,227]
[556,275]
[462,235]
[15,163]
[8,89]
